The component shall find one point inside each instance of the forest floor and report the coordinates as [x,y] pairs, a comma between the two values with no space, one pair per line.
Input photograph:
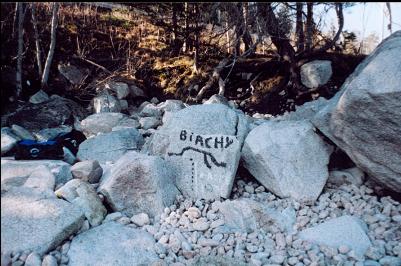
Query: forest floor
[110,39]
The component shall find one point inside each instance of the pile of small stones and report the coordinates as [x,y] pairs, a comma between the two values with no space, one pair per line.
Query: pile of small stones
[186,230]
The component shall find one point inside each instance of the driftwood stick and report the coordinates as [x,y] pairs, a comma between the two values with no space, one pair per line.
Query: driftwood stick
[93,63]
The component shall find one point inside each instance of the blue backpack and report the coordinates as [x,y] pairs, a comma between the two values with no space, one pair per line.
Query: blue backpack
[51,149]
[36,150]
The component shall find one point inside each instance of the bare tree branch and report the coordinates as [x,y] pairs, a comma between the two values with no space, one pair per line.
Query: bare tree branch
[49,59]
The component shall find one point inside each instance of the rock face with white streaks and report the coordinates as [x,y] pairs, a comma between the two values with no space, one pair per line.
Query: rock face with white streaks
[288,158]
[342,231]
[139,183]
[112,244]
[364,118]
[106,102]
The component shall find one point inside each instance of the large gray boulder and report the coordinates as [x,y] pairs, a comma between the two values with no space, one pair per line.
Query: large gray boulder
[203,143]
[22,132]
[149,122]
[39,178]
[84,196]
[210,119]
[316,73]
[120,88]
[342,231]
[136,92]
[288,158]
[171,105]
[110,146]
[104,122]
[150,109]
[307,111]
[39,97]
[205,164]
[139,183]
[8,140]
[105,102]
[12,170]
[72,73]
[36,220]
[89,171]
[54,112]
[247,215]
[112,244]
[217,98]
[49,133]
[364,118]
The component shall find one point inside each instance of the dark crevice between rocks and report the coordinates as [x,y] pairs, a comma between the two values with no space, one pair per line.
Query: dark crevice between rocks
[107,205]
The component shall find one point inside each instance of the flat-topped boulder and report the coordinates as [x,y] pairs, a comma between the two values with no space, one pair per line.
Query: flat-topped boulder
[246,215]
[35,220]
[112,244]
[20,169]
[342,231]
[110,146]
[104,122]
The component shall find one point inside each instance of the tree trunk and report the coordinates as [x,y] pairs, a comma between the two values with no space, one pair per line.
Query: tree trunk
[246,36]
[49,59]
[175,30]
[389,26]
[340,18]
[299,28]
[18,77]
[283,45]
[309,26]
[186,26]
[197,37]
[228,36]
[15,21]
[239,29]
[37,40]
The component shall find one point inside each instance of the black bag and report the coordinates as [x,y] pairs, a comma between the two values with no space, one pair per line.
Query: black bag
[34,150]
[71,140]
